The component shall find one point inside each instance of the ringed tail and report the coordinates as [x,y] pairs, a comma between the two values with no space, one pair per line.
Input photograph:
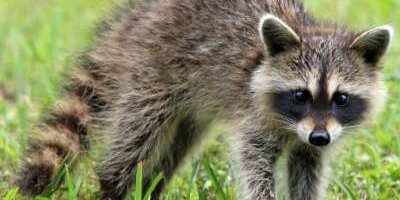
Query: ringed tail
[62,134]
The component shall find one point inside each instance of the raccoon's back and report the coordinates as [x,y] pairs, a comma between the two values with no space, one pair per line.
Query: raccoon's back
[199,43]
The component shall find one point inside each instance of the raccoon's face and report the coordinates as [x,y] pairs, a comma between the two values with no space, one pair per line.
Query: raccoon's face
[322,83]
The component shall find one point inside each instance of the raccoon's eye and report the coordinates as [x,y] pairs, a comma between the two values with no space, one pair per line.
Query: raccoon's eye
[341,99]
[301,96]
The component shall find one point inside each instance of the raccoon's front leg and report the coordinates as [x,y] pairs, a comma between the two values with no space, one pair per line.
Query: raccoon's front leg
[258,152]
[305,174]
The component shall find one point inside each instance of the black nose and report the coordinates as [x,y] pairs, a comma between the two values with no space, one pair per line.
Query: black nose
[319,138]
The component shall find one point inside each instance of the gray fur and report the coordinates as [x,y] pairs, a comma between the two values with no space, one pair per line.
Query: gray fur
[257,150]
[167,68]
[305,173]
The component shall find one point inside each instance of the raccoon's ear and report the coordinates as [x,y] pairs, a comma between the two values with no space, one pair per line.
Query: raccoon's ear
[373,44]
[277,36]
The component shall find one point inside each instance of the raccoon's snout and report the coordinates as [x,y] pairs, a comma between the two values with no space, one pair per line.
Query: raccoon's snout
[317,135]
[319,138]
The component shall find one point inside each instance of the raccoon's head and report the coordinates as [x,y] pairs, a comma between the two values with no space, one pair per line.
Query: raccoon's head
[319,82]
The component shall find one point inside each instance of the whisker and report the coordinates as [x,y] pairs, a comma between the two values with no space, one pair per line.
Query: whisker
[352,127]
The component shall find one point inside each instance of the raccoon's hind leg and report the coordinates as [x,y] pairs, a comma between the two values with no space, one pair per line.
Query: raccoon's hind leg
[189,134]
[142,133]
[306,172]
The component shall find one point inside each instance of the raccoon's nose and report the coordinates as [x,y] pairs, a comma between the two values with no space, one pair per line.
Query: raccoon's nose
[319,138]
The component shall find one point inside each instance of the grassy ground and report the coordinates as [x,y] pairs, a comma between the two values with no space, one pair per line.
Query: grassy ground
[37,42]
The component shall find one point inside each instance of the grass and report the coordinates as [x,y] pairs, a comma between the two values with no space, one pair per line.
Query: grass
[38,40]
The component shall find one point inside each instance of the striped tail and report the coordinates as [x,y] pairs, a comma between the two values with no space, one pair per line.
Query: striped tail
[62,135]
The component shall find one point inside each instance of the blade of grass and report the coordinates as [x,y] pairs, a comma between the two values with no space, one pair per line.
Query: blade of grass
[58,178]
[78,185]
[139,179]
[345,189]
[11,195]
[196,167]
[203,195]
[221,194]
[70,184]
[153,186]
[374,153]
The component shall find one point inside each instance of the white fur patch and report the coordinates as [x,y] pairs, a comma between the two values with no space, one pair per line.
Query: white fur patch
[304,129]
[333,84]
[313,86]
[334,129]
[266,80]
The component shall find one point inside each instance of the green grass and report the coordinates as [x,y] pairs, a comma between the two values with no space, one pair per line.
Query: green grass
[38,40]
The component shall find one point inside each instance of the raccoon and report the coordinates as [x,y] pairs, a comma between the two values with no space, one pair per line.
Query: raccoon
[161,71]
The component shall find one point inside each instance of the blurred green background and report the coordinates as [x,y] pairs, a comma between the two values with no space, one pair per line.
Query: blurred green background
[38,42]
